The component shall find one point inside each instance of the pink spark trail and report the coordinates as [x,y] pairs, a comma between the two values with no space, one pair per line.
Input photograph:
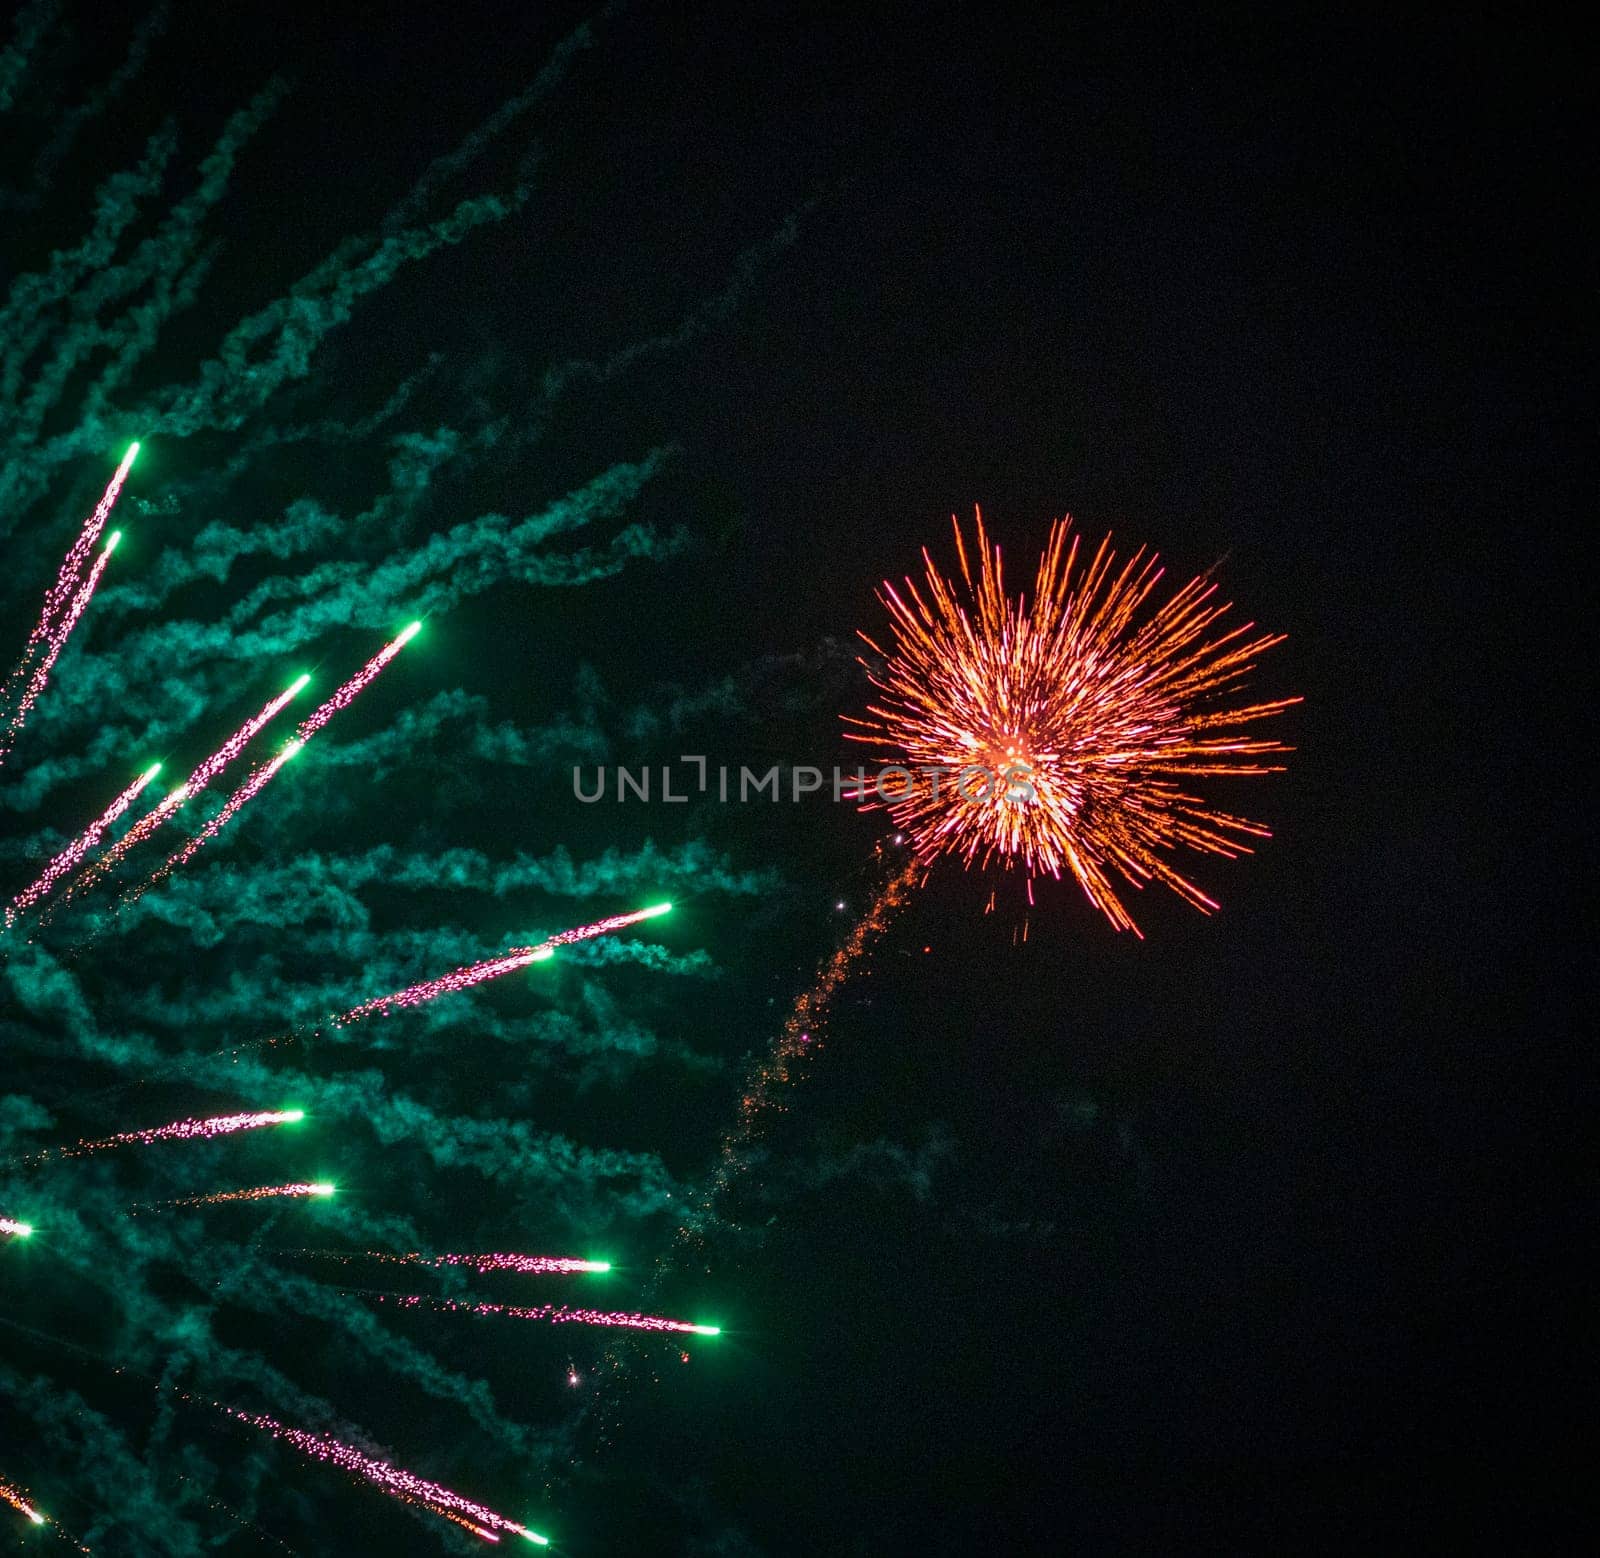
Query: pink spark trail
[445,984]
[393,1480]
[600,927]
[189,1130]
[525,1265]
[73,854]
[57,642]
[191,787]
[252,786]
[555,1314]
[309,726]
[491,968]
[61,591]
[345,696]
[257,1193]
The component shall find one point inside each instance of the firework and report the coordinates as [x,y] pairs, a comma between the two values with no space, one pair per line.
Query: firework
[800,1036]
[445,984]
[257,1193]
[524,1265]
[73,854]
[346,694]
[62,590]
[191,787]
[57,642]
[604,927]
[189,1130]
[393,1480]
[251,787]
[263,775]
[554,1314]
[12,1229]
[14,1497]
[491,968]
[1060,735]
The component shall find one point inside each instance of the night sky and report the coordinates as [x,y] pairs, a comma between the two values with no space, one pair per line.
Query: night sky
[631,360]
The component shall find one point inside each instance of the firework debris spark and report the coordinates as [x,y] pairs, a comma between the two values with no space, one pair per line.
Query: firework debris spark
[554,1314]
[189,1130]
[314,721]
[398,1483]
[52,629]
[319,1187]
[12,1229]
[524,1265]
[491,968]
[191,787]
[800,1036]
[58,641]
[73,854]
[263,775]
[250,788]
[15,1498]
[1061,734]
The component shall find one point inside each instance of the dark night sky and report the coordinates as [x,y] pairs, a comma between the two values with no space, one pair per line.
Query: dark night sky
[1246,1236]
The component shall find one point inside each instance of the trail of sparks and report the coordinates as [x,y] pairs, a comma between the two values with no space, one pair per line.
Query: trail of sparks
[188,1130]
[346,695]
[191,787]
[62,590]
[12,1229]
[56,643]
[250,788]
[72,855]
[800,1036]
[398,1483]
[491,968]
[524,1265]
[1056,735]
[257,1193]
[459,979]
[604,927]
[14,1497]
[554,1314]
[445,984]
[263,775]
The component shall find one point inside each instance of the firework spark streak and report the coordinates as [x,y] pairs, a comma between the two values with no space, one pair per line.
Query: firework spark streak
[257,1193]
[554,1314]
[524,1265]
[61,591]
[491,968]
[12,1229]
[445,984]
[250,788]
[800,1037]
[601,927]
[73,854]
[345,696]
[188,1130]
[14,1497]
[1058,735]
[191,787]
[57,642]
[393,1480]
[259,780]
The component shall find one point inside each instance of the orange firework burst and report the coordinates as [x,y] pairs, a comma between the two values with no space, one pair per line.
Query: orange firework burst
[1063,733]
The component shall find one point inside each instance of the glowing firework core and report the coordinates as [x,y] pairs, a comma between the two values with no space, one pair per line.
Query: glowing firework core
[1058,734]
